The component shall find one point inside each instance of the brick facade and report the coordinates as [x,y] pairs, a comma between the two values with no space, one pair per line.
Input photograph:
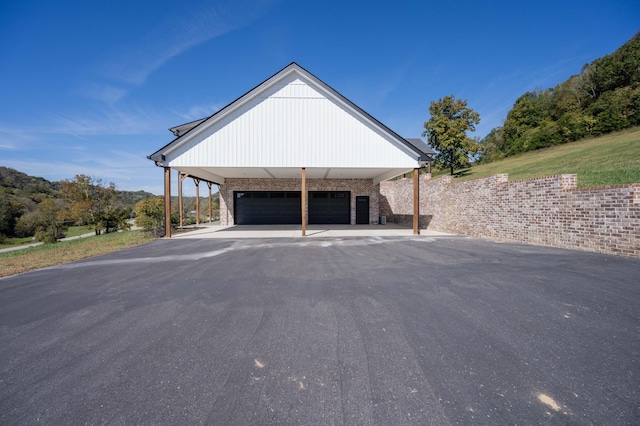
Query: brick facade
[549,211]
[357,187]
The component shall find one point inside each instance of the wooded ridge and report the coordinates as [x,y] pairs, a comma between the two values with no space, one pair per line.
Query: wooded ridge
[602,98]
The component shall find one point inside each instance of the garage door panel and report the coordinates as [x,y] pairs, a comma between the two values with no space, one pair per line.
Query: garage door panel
[284,207]
[267,208]
[329,207]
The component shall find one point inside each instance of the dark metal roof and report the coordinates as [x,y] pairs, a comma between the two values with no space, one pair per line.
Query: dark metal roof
[180,129]
[425,149]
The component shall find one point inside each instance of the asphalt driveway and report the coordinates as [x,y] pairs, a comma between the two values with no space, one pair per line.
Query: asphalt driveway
[376,330]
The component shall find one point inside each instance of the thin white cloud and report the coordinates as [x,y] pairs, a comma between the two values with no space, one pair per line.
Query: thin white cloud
[177,34]
[126,120]
[6,146]
[393,80]
[106,93]
[497,97]
[14,138]
[130,171]
[76,148]
[490,118]
[54,170]
[197,112]
[556,73]
[100,121]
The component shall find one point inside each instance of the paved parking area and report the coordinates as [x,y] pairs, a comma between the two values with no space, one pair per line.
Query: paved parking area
[370,330]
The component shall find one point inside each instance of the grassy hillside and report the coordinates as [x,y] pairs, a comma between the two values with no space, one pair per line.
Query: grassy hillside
[611,159]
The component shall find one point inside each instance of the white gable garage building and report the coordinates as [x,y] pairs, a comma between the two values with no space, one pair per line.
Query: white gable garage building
[292,151]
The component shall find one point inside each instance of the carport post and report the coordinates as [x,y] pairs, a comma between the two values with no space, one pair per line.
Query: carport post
[304,202]
[416,202]
[167,202]
[181,177]
[197,182]
[210,206]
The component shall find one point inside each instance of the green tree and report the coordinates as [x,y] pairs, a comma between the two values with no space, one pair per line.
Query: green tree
[10,211]
[93,203]
[530,112]
[150,214]
[46,223]
[492,146]
[618,69]
[115,219]
[447,129]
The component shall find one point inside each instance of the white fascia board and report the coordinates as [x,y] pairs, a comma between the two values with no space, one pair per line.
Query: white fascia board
[389,175]
[203,174]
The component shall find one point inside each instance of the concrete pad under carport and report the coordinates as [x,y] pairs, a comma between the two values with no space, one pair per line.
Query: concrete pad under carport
[218,231]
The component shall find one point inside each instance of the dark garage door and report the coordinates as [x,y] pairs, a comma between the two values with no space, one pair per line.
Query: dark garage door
[329,207]
[267,207]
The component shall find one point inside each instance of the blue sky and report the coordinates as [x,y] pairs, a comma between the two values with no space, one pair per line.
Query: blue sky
[92,86]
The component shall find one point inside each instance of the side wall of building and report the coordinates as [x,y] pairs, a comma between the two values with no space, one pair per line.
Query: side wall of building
[549,211]
[357,187]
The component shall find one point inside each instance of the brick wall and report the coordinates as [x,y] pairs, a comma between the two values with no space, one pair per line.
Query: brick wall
[357,187]
[549,211]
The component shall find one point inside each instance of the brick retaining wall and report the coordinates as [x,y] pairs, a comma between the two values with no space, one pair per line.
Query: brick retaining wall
[549,211]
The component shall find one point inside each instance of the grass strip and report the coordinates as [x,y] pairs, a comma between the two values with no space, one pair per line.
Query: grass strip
[612,159]
[16,262]
[73,231]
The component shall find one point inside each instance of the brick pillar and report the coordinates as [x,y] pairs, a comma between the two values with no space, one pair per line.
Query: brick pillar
[568,182]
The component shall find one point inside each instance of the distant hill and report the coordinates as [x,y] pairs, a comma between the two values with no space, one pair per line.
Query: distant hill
[130,198]
[604,97]
[24,189]
[31,190]
[21,193]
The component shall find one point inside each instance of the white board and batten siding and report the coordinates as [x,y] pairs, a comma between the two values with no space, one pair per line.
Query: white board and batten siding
[293,123]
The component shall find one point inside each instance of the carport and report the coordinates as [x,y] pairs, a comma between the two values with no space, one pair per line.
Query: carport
[292,150]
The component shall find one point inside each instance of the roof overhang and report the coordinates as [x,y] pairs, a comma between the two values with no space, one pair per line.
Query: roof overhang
[415,149]
[218,175]
[184,128]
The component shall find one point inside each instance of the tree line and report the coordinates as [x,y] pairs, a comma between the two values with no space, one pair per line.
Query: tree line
[46,215]
[33,206]
[603,97]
